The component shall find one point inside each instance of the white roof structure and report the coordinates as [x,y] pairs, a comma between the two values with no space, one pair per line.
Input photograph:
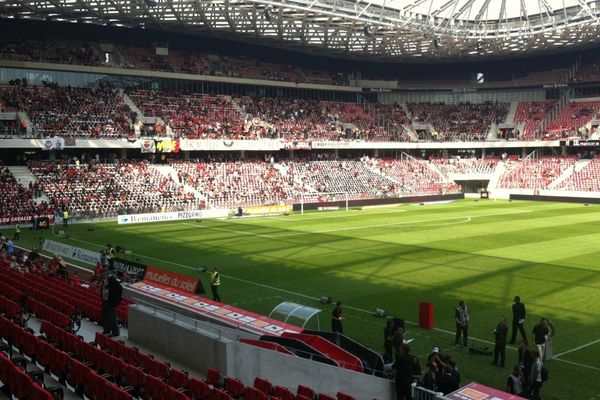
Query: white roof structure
[420,30]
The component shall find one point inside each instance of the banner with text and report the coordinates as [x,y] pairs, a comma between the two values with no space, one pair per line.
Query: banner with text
[24,219]
[267,210]
[171,216]
[72,252]
[135,271]
[476,391]
[171,279]
[230,145]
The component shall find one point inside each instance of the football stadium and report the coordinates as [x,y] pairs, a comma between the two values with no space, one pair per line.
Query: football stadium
[300,199]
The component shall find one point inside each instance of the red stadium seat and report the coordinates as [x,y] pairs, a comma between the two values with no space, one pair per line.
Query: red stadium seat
[306,391]
[263,385]
[344,396]
[234,387]
[199,390]
[283,393]
[252,393]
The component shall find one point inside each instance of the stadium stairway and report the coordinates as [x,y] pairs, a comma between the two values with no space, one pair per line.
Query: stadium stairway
[512,111]
[24,176]
[408,128]
[492,133]
[498,172]
[23,117]
[236,106]
[432,166]
[579,165]
[127,100]
[169,172]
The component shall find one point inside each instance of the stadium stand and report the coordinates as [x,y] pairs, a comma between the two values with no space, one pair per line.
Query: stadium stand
[532,113]
[16,202]
[193,116]
[453,122]
[48,50]
[291,119]
[572,119]
[533,173]
[70,111]
[466,166]
[414,177]
[584,180]
[97,190]
[228,184]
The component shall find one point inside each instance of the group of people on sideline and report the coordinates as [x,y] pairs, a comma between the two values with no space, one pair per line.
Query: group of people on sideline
[442,375]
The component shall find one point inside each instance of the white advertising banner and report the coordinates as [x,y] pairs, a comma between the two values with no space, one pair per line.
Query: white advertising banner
[171,216]
[53,144]
[227,145]
[74,253]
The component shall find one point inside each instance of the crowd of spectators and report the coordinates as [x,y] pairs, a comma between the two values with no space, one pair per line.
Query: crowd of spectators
[70,111]
[532,113]
[48,50]
[588,72]
[351,176]
[585,180]
[234,183]
[292,119]
[534,173]
[466,166]
[413,176]
[16,201]
[299,119]
[458,122]
[145,58]
[95,190]
[572,120]
[193,116]
[251,68]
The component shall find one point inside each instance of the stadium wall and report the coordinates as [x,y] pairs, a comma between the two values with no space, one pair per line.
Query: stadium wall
[200,349]
[374,202]
[471,96]
[562,199]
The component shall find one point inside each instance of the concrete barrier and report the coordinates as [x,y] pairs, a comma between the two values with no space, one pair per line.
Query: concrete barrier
[199,345]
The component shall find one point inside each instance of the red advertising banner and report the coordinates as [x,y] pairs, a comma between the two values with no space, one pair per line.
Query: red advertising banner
[171,279]
[476,391]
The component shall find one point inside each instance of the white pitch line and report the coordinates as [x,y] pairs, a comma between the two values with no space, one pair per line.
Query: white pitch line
[577,364]
[352,214]
[577,348]
[346,306]
[353,228]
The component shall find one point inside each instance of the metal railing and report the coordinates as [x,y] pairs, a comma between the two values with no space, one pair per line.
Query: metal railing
[420,393]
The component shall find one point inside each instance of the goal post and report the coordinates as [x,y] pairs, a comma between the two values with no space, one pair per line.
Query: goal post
[327,199]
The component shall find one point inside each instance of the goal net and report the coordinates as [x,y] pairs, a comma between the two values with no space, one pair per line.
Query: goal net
[324,201]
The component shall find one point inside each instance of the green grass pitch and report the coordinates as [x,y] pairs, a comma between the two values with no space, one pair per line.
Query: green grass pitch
[484,252]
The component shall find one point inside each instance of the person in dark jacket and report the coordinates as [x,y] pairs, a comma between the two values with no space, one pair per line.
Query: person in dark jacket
[500,334]
[404,372]
[112,293]
[518,320]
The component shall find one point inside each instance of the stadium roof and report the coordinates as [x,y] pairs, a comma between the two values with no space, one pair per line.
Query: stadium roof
[426,30]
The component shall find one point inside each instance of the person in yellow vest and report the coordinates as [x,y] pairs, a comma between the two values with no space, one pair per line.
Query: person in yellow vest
[17,232]
[65,219]
[215,282]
